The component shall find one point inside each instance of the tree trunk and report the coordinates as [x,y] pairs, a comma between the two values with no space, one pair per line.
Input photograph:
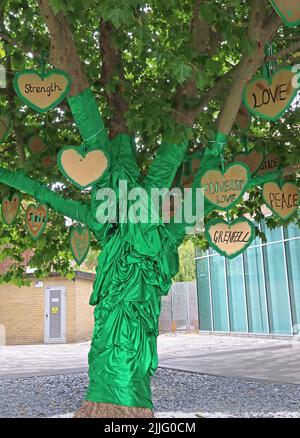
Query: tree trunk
[107,410]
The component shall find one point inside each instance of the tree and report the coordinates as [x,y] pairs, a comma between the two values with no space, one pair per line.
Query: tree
[167,75]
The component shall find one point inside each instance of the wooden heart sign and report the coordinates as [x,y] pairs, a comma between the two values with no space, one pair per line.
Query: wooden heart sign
[282,200]
[270,163]
[243,119]
[36,217]
[4,126]
[82,169]
[269,99]
[36,144]
[42,92]
[10,208]
[253,159]
[224,190]
[230,240]
[289,11]
[80,242]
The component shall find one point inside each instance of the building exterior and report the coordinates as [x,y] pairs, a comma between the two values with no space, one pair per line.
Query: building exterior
[53,310]
[258,292]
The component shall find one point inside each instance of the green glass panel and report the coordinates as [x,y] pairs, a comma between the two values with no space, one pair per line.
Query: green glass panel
[236,295]
[219,299]
[272,235]
[203,294]
[256,298]
[292,231]
[293,262]
[277,289]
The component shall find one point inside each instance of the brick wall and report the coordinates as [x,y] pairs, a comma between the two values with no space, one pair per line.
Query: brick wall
[22,311]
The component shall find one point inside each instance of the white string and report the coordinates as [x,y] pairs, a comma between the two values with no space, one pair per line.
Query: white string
[93,136]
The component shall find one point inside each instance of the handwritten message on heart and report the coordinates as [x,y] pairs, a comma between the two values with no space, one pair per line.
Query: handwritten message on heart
[230,240]
[83,170]
[270,99]
[4,126]
[253,159]
[36,217]
[42,93]
[283,201]
[289,11]
[80,241]
[10,208]
[226,190]
[271,163]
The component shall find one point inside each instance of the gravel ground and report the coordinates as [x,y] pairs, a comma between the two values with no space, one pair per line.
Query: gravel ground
[175,393]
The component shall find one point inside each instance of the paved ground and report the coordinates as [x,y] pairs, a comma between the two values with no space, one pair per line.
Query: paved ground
[247,357]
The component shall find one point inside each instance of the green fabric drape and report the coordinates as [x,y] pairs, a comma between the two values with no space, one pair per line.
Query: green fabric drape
[136,264]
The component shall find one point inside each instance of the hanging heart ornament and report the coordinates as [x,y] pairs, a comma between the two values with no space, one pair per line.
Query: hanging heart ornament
[230,240]
[42,92]
[283,200]
[10,208]
[289,11]
[224,190]
[269,99]
[83,169]
[80,242]
[36,217]
[253,159]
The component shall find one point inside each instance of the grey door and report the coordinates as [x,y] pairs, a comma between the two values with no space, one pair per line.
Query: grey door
[55,314]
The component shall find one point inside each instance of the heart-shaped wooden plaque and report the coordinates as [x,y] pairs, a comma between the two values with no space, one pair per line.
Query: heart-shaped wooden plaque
[82,169]
[269,99]
[230,240]
[4,126]
[270,163]
[253,159]
[36,217]
[10,208]
[289,11]
[282,200]
[80,242]
[226,190]
[42,92]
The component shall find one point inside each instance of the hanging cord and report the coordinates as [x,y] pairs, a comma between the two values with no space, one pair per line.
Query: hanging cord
[42,63]
[245,143]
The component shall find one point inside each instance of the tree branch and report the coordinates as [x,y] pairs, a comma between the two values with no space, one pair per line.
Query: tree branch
[205,41]
[260,32]
[63,53]
[17,43]
[112,68]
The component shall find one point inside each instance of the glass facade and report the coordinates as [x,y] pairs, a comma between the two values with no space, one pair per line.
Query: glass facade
[257,292]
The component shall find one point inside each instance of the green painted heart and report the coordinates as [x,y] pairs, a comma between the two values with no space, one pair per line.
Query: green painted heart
[230,240]
[224,190]
[10,208]
[4,126]
[253,159]
[42,92]
[269,99]
[36,217]
[82,169]
[283,200]
[288,10]
[80,242]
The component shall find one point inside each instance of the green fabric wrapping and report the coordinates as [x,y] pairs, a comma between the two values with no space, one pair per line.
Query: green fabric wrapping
[73,209]
[135,268]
